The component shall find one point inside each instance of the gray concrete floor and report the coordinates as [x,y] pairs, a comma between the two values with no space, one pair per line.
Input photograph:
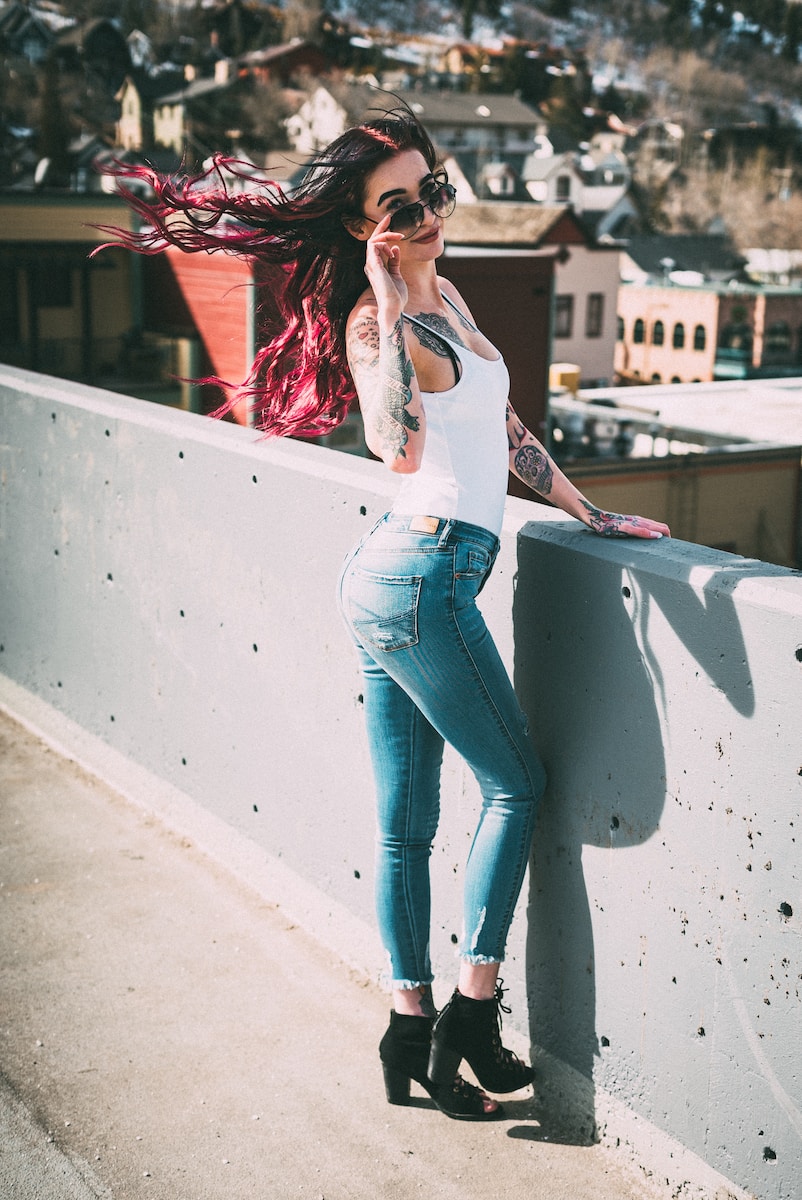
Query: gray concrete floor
[166,1033]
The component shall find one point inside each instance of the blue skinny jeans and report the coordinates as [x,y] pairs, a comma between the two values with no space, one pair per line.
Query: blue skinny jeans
[432,674]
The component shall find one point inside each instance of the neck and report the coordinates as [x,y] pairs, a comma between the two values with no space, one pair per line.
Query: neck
[423,288]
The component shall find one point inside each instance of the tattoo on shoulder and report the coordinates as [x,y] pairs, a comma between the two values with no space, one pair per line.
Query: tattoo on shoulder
[363,342]
[534,468]
[464,321]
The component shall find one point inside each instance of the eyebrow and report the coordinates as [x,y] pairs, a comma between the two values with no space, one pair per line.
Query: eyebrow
[401,191]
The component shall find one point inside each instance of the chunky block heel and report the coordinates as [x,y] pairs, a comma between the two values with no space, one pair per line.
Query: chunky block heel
[396,1085]
[443,1063]
[404,1052]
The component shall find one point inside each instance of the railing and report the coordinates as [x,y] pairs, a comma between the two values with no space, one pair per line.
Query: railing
[166,600]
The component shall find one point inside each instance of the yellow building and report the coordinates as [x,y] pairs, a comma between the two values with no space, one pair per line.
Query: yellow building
[60,311]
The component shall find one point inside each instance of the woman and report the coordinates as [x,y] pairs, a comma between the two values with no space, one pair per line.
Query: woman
[433,393]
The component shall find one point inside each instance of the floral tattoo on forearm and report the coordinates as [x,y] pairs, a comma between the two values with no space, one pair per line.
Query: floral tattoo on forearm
[391,374]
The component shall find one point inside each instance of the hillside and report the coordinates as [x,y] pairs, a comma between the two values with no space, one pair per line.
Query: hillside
[727,74]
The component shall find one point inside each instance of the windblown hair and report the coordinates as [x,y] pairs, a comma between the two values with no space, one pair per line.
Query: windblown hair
[299,382]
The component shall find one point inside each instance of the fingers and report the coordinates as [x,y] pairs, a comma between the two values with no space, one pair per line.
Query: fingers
[644,527]
[382,247]
[641,527]
[383,237]
[608,524]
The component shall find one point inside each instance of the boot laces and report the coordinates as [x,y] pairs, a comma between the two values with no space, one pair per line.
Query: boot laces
[502,1054]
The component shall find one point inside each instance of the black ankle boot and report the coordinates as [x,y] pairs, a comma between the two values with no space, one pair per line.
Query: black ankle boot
[404,1052]
[471,1029]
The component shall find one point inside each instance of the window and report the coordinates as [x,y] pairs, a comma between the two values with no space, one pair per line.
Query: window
[699,338]
[564,317]
[737,338]
[679,336]
[658,333]
[594,316]
[621,331]
[52,284]
[657,378]
[778,338]
[563,189]
[638,332]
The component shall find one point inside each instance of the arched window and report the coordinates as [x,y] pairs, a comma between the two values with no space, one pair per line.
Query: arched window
[699,338]
[679,336]
[658,333]
[657,378]
[638,332]
[676,379]
[621,331]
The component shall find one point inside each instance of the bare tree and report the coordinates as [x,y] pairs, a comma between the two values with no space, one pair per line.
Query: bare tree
[302,19]
[759,202]
[689,87]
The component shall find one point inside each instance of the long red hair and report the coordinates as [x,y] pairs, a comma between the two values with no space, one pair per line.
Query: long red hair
[299,382]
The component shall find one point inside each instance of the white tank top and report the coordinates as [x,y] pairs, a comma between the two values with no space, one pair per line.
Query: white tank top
[463,473]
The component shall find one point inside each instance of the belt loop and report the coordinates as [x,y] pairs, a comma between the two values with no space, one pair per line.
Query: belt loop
[447,527]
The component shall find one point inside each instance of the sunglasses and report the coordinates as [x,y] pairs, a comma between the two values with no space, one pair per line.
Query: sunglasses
[441,199]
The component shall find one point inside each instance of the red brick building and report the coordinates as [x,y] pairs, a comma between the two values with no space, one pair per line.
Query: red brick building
[670,333]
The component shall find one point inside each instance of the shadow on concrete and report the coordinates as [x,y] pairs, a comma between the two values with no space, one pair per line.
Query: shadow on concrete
[610,720]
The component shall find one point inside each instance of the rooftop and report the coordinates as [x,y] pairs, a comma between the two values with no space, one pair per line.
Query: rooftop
[756,410]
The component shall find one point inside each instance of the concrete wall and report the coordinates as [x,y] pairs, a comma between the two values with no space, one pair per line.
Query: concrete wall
[166,592]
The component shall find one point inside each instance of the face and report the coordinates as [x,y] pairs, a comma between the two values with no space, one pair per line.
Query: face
[416,199]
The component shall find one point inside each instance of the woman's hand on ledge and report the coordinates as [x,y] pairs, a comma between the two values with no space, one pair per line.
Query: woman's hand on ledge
[608,524]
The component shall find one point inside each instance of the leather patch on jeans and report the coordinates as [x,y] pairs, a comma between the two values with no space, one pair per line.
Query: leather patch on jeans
[424,524]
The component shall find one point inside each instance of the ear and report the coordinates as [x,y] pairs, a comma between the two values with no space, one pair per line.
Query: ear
[357,227]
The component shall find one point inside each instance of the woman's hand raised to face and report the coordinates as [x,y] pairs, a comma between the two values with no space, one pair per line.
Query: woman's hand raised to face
[383,269]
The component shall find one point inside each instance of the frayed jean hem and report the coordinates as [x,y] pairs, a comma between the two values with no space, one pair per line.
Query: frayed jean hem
[480,960]
[389,984]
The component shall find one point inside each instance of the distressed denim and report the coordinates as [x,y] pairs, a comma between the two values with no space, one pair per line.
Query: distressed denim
[432,674]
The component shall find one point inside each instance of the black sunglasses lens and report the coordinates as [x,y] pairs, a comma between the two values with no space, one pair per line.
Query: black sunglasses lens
[443,201]
[407,219]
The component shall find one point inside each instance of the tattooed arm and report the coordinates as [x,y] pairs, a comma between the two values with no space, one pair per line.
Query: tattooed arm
[389,397]
[382,370]
[531,462]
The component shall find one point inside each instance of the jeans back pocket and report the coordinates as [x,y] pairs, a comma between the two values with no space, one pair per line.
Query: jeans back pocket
[472,563]
[383,609]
